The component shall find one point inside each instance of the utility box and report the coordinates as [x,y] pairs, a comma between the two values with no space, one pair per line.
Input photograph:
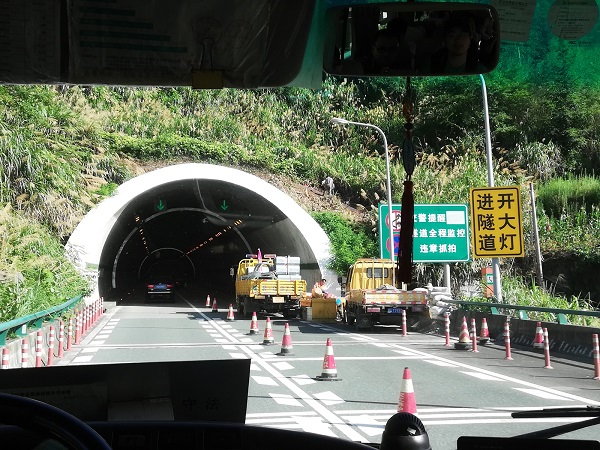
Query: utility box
[487,281]
[324,309]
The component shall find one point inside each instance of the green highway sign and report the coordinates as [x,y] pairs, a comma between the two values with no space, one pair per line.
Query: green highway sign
[441,232]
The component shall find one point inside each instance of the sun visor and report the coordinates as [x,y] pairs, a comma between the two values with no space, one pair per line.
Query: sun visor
[204,44]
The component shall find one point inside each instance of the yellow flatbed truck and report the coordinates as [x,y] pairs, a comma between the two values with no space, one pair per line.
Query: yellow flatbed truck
[270,284]
[371,297]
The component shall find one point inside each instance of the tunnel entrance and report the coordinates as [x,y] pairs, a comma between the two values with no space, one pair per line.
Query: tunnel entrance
[194,221]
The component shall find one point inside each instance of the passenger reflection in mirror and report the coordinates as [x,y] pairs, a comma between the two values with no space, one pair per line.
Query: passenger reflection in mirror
[459,54]
[390,52]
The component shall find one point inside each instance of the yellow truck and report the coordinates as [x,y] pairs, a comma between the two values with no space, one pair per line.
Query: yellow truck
[269,284]
[371,298]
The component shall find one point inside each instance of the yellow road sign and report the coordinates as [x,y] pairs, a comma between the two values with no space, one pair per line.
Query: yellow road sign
[496,224]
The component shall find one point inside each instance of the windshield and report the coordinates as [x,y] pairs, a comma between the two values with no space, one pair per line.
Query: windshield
[213,193]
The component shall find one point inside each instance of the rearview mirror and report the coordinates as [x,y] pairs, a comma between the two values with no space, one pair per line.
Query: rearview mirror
[412,39]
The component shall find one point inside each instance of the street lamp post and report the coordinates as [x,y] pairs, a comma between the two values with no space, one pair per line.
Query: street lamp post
[340,121]
[490,175]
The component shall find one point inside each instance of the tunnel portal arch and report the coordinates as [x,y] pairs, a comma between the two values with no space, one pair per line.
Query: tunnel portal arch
[204,202]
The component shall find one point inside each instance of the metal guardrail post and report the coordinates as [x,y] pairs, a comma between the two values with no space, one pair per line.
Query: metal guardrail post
[22,325]
[561,314]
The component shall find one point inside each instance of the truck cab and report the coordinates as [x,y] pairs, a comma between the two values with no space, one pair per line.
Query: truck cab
[269,284]
[371,297]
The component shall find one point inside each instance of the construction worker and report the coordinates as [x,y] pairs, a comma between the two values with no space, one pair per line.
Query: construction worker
[317,290]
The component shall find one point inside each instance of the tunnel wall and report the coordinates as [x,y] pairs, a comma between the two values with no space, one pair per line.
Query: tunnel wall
[85,245]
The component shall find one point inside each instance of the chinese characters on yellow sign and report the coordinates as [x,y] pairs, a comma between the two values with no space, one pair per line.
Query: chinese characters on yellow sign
[496,225]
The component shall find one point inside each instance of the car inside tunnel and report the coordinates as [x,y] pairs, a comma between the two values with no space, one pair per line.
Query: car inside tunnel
[195,231]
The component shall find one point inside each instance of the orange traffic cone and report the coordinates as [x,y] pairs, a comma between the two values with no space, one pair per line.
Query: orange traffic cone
[253,324]
[215,307]
[208,301]
[407,402]
[230,313]
[464,341]
[268,336]
[538,341]
[329,372]
[484,334]
[286,343]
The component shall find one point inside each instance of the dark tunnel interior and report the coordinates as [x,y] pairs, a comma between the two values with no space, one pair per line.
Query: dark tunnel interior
[195,230]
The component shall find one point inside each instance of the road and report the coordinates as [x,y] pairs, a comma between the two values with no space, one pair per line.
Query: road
[457,392]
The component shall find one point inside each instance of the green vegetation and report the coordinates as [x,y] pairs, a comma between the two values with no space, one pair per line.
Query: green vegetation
[350,241]
[520,291]
[36,271]
[63,149]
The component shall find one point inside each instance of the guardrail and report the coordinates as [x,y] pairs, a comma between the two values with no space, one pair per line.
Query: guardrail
[23,325]
[521,309]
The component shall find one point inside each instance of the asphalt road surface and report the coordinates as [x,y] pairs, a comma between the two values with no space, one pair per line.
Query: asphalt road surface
[457,392]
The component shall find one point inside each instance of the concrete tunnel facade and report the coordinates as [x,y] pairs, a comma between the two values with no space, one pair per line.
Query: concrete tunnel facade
[205,218]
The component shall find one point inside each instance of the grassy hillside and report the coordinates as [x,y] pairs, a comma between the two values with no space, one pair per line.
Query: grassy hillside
[64,149]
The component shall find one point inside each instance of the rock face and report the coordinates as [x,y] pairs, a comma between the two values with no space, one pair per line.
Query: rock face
[571,275]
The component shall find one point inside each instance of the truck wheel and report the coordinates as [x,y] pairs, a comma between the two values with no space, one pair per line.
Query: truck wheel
[349,319]
[246,309]
[364,321]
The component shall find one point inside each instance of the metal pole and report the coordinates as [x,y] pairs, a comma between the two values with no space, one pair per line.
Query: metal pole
[490,174]
[536,239]
[388,180]
[447,282]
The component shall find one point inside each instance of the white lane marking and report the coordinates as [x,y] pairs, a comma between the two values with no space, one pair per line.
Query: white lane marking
[482,376]
[238,355]
[81,359]
[329,398]
[428,411]
[380,344]
[267,355]
[108,327]
[509,420]
[256,347]
[90,350]
[405,352]
[563,395]
[221,340]
[264,381]
[329,416]
[315,425]
[229,347]
[369,425]
[440,363]
[283,365]
[254,367]
[280,415]
[97,342]
[286,399]
[303,379]
[246,340]
[543,394]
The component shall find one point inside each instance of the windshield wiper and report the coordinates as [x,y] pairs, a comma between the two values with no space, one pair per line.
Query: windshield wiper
[583,411]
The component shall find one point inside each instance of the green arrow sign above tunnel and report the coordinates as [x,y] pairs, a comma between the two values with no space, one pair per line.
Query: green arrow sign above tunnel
[159,205]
